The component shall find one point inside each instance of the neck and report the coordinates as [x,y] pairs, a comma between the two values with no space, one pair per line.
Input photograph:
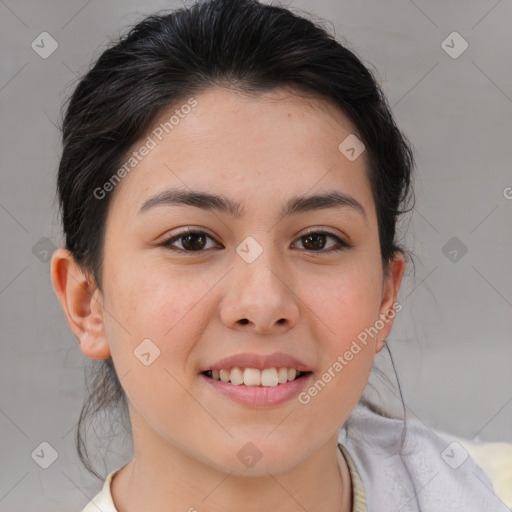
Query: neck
[161,475]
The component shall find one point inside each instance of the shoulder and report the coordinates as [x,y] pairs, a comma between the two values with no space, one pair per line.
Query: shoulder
[412,467]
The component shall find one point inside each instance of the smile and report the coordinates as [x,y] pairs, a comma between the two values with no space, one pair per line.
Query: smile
[263,389]
[268,377]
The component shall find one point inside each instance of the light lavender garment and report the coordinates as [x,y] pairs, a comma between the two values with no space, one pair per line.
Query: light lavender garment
[430,475]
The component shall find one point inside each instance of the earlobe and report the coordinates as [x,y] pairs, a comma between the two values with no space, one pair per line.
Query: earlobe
[82,304]
[390,307]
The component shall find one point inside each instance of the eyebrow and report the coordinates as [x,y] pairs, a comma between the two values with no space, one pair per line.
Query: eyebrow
[223,204]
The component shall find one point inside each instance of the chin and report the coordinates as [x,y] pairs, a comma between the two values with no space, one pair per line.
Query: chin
[258,458]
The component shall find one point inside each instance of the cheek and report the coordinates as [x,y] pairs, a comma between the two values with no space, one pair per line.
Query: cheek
[347,304]
[350,310]
[157,304]
[348,299]
[346,312]
[155,321]
[152,298]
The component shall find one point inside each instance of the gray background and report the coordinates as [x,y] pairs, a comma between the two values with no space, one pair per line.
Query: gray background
[451,342]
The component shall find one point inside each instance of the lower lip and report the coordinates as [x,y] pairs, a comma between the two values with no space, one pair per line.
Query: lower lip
[259,396]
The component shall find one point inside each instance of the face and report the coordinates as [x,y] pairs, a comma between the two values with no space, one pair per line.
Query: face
[304,283]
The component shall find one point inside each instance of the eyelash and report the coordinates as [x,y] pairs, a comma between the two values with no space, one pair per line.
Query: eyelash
[341,244]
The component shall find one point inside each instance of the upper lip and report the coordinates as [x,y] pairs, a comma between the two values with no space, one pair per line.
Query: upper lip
[259,361]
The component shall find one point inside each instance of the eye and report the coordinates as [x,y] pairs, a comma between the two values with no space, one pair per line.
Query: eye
[191,241]
[196,241]
[315,241]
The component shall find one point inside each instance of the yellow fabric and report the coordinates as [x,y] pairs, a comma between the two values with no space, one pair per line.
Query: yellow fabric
[358,497]
[495,459]
[102,502]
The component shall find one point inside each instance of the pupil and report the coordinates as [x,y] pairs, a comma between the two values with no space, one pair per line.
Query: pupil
[316,237]
[192,246]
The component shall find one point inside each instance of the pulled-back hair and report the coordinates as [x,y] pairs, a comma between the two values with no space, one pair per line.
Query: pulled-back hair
[167,58]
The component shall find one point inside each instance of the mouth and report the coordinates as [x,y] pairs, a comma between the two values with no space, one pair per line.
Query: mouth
[254,377]
[254,388]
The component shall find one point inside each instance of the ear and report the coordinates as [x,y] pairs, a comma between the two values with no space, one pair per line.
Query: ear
[82,304]
[389,306]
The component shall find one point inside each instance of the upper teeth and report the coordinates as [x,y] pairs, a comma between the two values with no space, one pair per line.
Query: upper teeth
[255,377]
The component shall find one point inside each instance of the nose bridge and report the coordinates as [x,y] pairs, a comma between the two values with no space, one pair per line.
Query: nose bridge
[260,294]
[259,267]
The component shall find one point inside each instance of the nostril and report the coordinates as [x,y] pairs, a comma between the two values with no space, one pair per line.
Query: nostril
[244,321]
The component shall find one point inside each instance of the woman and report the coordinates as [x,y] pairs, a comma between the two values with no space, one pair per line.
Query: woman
[230,185]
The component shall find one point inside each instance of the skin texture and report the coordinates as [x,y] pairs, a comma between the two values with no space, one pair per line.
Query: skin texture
[259,150]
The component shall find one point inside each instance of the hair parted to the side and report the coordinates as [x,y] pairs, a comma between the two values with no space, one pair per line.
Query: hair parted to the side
[169,57]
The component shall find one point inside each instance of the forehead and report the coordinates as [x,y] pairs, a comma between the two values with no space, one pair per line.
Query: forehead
[254,148]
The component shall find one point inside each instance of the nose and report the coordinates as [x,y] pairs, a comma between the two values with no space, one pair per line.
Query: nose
[259,297]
